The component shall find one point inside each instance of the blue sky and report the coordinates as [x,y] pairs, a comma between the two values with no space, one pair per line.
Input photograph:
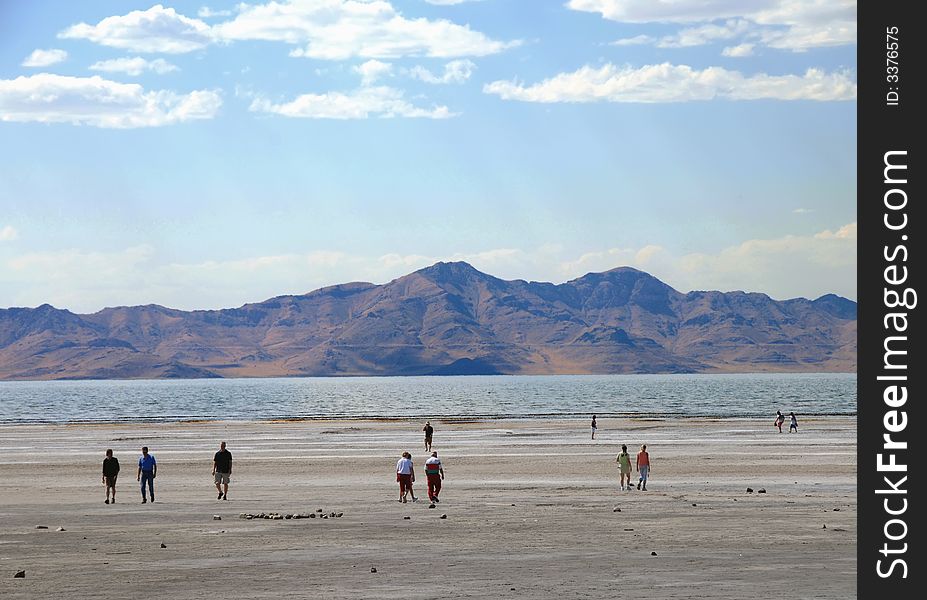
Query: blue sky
[203,155]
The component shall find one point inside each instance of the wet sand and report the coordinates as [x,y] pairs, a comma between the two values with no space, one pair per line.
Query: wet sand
[530,508]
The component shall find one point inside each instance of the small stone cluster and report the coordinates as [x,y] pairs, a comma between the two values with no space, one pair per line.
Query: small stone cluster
[276,516]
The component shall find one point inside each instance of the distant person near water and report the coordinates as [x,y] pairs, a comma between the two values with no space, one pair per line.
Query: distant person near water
[405,475]
[593,426]
[434,473]
[793,423]
[624,468]
[147,471]
[643,467]
[779,421]
[222,471]
[429,431]
[110,471]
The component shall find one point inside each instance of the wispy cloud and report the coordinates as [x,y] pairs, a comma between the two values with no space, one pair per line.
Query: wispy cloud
[135,65]
[783,24]
[48,98]
[205,13]
[363,103]
[676,83]
[456,71]
[783,267]
[8,233]
[45,58]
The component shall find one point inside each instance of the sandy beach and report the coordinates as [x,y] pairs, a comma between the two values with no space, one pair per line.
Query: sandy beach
[532,507]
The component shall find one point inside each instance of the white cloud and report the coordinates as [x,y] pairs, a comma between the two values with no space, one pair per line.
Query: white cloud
[157,29]
[787,24]
[366,102]
[8,233]
[637,40]
[705,34]
[738,51]
[135,65]
[205,13]
[803,211]
[372,70]
[45,58]
[675,83]
[456,71]
[341,29]
[48,98]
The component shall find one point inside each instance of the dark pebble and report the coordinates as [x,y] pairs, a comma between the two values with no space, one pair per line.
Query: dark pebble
[443,517]
[836,510]
[20,574]
[824,527]
[373,569]
[406,518]
[653,554]
[761,491]
[163,545]
[431,506]
[694,504]
[311,515]
[41,527]
[616,509]
[749,490]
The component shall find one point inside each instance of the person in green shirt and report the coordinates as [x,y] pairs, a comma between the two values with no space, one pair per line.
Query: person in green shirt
[624,466]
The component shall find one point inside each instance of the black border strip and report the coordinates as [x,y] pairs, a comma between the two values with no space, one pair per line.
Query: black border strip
[890,272]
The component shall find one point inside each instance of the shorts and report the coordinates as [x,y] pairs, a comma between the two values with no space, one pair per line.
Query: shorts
[110,481]
[405,483]
[626,471]
[427,439]
[645,472]
[223,477]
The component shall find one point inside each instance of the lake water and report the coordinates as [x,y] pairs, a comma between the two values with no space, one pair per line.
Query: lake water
[741,395]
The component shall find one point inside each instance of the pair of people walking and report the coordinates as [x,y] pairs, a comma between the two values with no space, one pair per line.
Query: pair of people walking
[148,471]
[780,419]
[405,475]
[641,464]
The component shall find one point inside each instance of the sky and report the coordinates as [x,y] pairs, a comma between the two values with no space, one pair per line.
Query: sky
[207,154]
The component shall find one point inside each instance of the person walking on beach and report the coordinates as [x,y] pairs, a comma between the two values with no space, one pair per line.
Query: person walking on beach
[793,423]
[429,431]
[624,468]
[779,421]
[434,473]
[643,467]
[147,471]
[593,427]
[405,475]
[222,471]
[110,471]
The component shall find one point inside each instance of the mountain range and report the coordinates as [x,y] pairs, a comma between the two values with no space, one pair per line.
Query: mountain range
[446,319]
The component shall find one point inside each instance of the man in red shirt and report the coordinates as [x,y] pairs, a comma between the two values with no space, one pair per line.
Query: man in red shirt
[435,473]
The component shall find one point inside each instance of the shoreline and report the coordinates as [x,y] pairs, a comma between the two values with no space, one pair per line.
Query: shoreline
[425,416]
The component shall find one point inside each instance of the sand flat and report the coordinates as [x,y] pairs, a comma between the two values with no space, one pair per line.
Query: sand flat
[529,507]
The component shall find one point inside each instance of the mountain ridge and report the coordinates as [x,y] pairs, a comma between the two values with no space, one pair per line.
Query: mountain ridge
[447,318]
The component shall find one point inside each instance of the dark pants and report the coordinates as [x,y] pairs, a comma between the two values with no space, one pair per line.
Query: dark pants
[148,476]
[434,486]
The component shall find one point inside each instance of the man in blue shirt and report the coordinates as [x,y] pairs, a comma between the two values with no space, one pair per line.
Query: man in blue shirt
[147,471]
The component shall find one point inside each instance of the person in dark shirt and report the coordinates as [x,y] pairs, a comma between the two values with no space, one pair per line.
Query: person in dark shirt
[222,471]
[429,431]
[110,471]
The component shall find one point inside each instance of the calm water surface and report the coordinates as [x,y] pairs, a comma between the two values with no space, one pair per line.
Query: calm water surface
[742,395]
